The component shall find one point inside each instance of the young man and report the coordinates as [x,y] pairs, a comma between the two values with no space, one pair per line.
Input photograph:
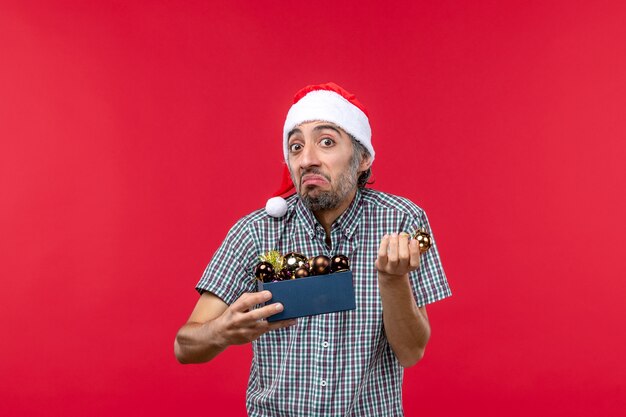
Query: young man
[345,363]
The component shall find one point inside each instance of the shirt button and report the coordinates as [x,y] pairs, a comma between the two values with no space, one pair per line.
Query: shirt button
[325,344]
[323,382]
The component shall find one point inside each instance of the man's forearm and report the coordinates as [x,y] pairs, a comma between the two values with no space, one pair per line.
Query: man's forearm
[197,343]
[406,327]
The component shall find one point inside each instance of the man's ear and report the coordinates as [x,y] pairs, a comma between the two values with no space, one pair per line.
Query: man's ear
[366,162]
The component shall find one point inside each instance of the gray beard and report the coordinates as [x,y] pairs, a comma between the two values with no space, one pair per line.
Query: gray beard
[328,200]
[325,200]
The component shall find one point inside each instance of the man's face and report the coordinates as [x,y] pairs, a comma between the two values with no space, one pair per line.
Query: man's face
[322,166]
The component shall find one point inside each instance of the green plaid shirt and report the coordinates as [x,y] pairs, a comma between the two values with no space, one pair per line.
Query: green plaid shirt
[337,364]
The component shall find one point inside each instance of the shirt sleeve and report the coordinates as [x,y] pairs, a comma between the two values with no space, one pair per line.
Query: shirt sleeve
[429,282]
[229,275]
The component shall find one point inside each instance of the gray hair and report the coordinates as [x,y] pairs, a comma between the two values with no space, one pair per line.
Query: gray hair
[359,153]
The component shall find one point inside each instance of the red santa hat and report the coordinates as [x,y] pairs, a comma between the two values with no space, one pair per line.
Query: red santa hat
[324,102]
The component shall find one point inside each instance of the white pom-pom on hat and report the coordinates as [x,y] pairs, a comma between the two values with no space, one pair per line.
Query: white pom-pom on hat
[276,207]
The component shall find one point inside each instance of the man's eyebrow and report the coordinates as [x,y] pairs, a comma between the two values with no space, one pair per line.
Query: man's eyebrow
[317,128]
[322,127]
[293,131]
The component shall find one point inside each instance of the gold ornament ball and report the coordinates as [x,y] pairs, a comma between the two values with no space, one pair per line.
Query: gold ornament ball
[320,265]
[423,240]
[301,273]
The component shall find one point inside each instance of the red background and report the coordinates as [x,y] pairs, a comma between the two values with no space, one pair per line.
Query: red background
[133,134]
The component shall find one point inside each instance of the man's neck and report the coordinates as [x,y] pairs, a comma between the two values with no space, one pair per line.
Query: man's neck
[328,217]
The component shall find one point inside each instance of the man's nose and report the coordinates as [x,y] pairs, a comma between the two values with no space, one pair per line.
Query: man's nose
[309,156]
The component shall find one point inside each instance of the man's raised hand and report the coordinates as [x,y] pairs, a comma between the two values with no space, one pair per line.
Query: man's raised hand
[397,255]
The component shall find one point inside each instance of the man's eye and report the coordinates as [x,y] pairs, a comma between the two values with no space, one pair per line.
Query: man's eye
[295,147]
[327,142]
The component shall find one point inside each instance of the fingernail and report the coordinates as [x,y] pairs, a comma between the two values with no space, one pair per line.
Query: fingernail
[267,295]
[279,307]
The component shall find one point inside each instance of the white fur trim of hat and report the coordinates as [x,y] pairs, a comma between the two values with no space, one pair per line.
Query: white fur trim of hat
[329,106]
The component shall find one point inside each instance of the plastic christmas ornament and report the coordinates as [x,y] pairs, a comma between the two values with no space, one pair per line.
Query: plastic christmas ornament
[301,273]
[339,263]
[320,265]
[291,262]
[264,271]
[423,239]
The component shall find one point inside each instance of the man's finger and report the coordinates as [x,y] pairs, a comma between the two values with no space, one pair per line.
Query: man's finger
[266,311]
[403,247]
[414,250]
[393,248]
[382,251]
[280,324]
[250,299]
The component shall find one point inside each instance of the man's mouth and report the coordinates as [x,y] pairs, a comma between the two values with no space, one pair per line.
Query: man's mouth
[314,179]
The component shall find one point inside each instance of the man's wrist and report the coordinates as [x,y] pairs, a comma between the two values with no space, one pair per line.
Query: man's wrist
[392,280]
[215,335]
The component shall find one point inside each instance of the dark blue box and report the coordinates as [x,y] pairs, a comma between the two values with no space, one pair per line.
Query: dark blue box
[312,295]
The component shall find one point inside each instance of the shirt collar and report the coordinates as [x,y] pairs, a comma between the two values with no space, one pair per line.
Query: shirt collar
[347,222]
